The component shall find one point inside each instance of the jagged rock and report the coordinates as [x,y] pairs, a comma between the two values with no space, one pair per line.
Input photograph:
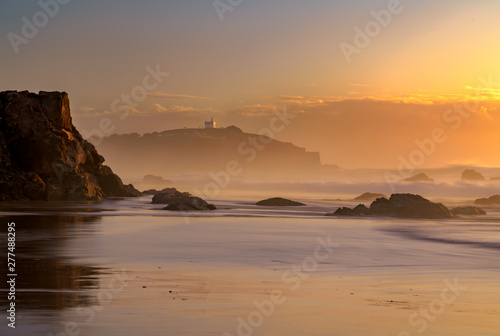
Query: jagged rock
[44,157]
[181,201]
[369,196]
[278,201]
[422,177]
[493,200]
[401,206]
[150,192]
[472,175]
[468,210]
[154,191]
[359,210]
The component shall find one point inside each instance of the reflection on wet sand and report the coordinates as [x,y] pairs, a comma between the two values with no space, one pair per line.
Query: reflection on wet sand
[46,279]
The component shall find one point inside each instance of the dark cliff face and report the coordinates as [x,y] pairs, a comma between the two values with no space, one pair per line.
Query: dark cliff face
[44,157]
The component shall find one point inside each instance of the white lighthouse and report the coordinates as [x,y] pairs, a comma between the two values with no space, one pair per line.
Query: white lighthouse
[210,124]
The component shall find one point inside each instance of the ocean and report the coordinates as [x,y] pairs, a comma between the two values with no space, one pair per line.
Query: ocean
[126,267]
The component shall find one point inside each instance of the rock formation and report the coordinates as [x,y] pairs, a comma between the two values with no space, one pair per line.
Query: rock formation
[205,151]
[422,177]
[468,210]
[181,201]
[278,201]
[369,196]
[472,175]
[44,157]
[492,200]
[399,205]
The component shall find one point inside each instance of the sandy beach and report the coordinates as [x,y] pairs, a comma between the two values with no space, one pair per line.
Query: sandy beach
[130,269]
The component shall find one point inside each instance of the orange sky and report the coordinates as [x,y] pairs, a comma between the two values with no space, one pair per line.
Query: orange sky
[365,110]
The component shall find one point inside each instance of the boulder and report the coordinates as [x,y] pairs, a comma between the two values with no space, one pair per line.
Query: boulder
[181,201]
[44,157]
[401,206]
[369,196]
[468,210]
[492,200]
[359,210]
[472,175]
[418,178]
[154,191]
[278,201]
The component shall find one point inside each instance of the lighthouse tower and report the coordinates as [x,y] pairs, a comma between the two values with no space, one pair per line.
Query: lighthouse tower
[210,124]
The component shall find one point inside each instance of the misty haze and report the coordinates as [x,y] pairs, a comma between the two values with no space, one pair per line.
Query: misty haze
[245,168]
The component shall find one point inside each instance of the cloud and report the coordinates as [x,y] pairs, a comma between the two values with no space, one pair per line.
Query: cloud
[159,108]
[255,110]
[158,94]
[182,109]
[87,108]
[284,97]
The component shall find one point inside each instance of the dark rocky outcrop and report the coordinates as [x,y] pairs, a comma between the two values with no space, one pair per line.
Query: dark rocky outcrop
[492,200]
[401,206]
[359,210]
[181,201]
[369,196]
[472,175]
[278,201]
[422,177]
[468,210]
[154,191]
[44,157]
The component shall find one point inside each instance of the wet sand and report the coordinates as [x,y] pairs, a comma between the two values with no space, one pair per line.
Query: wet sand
[247,271]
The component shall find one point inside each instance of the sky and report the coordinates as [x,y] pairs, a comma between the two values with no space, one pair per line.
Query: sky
[366,81]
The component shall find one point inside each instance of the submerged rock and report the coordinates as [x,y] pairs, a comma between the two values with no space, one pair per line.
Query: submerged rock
[44,157]
[181,201]
[468,210]
[401,206]
[278,201]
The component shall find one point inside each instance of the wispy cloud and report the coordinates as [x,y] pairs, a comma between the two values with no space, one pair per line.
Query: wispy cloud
[158,94]
[87,108]
[182,109]
[284,97]
[256,110]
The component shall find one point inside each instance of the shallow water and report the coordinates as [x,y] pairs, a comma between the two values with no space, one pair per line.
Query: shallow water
[124,267]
